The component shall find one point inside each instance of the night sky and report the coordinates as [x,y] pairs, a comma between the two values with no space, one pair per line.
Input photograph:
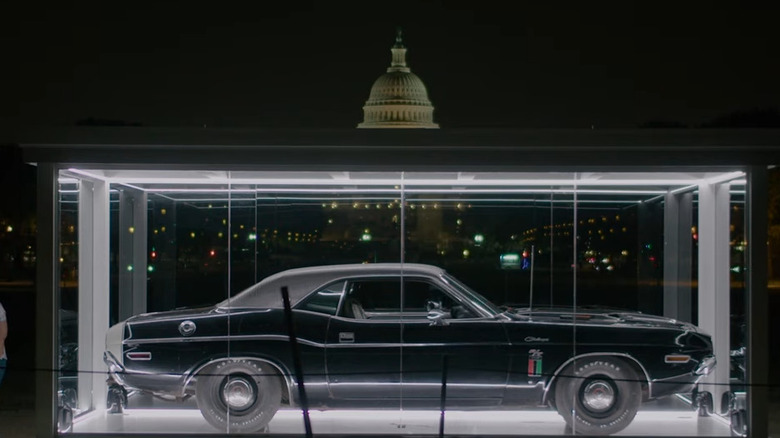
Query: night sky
[526,64]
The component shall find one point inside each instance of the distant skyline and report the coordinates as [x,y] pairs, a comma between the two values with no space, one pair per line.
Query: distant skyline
[311,65]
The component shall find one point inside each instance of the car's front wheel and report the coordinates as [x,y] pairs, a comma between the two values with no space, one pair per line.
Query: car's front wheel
[238,395]
[598,396]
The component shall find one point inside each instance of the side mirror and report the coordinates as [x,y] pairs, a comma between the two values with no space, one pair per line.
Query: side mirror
[438,317]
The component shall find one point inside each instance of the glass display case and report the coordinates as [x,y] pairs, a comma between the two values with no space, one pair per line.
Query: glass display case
[402,302]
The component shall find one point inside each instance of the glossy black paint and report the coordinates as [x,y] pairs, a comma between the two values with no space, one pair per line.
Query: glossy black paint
[393,357]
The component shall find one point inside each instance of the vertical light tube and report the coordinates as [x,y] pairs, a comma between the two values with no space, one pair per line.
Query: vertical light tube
[574,293]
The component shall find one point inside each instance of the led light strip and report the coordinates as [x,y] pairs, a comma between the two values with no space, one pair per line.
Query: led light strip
[409,182]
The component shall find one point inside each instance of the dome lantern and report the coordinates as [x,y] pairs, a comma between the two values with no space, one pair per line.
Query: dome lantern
[398,98]
[399,55]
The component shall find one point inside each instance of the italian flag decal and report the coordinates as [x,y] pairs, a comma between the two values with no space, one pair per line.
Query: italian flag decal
[534,363]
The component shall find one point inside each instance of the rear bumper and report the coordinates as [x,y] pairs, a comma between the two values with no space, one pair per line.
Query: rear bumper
[161,383]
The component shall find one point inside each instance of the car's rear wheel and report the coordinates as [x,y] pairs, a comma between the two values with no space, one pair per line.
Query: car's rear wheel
[598,396]
[238,395]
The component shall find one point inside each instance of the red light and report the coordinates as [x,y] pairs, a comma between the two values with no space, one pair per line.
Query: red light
[212,253]
[652,258]
[695,236]
[154,254]
[525,254]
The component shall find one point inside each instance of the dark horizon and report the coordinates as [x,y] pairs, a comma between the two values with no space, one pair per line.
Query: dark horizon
[312,65]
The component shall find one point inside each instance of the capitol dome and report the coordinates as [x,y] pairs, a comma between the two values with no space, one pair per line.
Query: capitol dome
[398,98]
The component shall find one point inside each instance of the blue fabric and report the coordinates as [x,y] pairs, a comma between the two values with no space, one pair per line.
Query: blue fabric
[3,364]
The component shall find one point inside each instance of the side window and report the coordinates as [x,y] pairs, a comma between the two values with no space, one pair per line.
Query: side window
[381,299]
[371,297]
[325,300]
[422,297]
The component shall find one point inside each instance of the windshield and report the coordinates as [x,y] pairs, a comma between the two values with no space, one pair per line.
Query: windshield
[473,296]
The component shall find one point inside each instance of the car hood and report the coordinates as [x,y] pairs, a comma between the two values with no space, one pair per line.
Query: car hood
[600,316]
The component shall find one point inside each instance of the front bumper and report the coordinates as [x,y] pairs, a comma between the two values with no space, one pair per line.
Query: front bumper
[684,383]
[705,366]
[115,369]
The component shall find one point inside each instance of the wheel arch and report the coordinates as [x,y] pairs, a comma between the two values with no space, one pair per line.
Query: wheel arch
[640,371]
[283,375]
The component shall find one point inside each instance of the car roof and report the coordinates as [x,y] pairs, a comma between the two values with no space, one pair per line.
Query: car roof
[301,281]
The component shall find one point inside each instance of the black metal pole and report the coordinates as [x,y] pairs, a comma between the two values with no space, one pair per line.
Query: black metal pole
[443,399]
[296,361]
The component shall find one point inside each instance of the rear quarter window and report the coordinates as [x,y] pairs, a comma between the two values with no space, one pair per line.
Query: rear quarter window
[325,300]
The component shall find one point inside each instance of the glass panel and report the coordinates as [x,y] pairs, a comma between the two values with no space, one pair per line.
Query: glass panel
[404,288]
[68,286]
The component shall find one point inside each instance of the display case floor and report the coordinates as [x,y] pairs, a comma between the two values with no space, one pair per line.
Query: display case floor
[670,417]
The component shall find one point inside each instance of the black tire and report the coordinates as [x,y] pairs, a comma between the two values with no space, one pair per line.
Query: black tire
[706,405]
[256,392]
[738,419]
[598,396]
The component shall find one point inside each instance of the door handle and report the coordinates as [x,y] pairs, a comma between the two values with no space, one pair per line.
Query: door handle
[346,337]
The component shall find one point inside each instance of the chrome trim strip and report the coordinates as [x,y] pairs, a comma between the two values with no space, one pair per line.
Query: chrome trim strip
[686,376]
[419,344]
[590,324]
[309,343]
[211,338]
[560,368]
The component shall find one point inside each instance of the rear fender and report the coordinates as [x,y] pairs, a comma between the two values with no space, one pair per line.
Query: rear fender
[285,377]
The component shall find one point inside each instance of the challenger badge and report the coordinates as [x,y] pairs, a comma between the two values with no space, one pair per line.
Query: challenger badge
[534,362]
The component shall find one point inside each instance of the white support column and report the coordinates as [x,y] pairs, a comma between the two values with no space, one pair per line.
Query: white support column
[758,315]
[93,292]
[140,253]
[714,286]
[131,295]
[678,218]
[46,303]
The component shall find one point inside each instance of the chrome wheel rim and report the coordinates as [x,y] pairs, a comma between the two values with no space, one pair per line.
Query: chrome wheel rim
[598,396]
[238,393]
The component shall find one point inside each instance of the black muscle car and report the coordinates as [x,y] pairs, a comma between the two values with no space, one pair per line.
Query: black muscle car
[376,335]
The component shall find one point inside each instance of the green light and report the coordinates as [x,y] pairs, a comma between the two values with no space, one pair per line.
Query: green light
[252,236]
[366,237]
[509,261]
[150,268]
[130,268]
